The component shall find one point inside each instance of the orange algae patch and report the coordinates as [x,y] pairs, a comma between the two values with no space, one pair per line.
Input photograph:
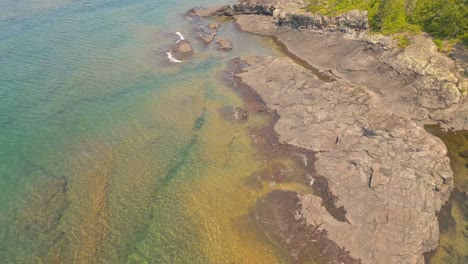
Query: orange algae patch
[220,202]
[86,220]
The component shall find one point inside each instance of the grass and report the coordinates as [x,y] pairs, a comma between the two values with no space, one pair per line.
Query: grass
[402,40]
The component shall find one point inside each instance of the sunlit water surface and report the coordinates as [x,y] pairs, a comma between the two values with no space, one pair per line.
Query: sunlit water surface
[111,154]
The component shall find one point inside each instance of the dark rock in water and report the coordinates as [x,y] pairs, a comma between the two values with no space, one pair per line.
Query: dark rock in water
[240,114]
[234,113]
[182,50]
[209,33]
[224,10]
[208,39]
[463,154]
[278,214]
[224,44]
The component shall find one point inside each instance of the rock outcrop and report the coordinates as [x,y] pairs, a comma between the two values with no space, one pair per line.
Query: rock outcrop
[291,13]
[389,174]
[419,82]
[224,10]
[350,22]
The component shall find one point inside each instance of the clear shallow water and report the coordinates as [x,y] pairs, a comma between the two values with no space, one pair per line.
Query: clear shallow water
[100,157]
[453,218]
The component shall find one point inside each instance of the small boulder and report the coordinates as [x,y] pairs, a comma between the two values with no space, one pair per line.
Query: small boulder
[224,44]
[206,40]
[182,50]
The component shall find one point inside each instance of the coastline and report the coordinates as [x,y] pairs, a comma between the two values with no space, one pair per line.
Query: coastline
[276,213]
[438,182]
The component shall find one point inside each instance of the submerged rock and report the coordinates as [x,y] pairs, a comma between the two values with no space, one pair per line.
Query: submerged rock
[42,210]
[208,39]
[240,113]
[209,33]
[224,44]
[234,113]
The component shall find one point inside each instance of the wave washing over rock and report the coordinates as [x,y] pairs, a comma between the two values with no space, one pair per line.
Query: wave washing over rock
[180,50]
[365,121]
[171,58]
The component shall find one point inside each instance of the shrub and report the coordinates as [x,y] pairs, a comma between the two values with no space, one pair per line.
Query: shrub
[443,19]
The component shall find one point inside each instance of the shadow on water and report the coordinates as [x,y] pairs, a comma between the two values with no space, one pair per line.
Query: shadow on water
[453,218]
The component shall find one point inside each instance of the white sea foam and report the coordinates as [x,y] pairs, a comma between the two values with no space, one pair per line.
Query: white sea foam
[172,59]
[181,37]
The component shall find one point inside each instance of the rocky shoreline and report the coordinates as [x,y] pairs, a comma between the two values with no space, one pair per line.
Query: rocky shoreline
[363,115]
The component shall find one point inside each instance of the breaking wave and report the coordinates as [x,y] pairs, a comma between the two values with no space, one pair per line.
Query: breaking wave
[171,58]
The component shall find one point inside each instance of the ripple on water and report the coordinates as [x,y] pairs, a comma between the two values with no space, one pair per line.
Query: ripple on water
[100,159]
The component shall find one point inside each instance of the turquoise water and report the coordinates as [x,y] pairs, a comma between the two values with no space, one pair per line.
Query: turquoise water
[100,160]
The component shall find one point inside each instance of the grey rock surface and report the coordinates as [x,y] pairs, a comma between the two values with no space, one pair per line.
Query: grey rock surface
[417,81]
[390,175]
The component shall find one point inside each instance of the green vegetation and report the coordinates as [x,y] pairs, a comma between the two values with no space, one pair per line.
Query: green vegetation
[443,19]
[402,40]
